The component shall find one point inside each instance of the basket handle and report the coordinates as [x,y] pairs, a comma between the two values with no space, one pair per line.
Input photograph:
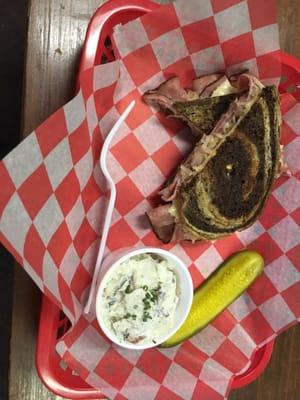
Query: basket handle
[102,23]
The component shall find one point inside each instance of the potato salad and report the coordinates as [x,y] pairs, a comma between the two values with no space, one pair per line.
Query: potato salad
[140,299]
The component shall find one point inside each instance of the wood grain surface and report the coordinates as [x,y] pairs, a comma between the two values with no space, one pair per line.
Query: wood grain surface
[55,35]
[56,31]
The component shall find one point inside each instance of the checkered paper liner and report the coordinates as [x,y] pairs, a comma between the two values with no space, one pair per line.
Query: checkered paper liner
[53,199]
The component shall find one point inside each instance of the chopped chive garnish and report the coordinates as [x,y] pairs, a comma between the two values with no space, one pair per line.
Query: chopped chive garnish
[155,293]
[147,304]
[128,315]
[128,289]
[154,298]
[145,287]
[146,316]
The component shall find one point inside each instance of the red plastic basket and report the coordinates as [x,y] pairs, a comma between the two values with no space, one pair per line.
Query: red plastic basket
[53,323]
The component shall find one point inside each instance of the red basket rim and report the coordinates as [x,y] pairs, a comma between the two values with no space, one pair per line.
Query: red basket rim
[49,310]
[49,314]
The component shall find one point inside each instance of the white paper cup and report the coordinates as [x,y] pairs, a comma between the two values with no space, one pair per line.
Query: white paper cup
[185,284]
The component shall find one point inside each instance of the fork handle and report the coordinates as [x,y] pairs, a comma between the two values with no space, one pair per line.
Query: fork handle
[106,227]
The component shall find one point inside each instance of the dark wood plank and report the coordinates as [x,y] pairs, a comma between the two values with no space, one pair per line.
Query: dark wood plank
[56,32]
[289,26]
[280,380]
[24,382]
[13,25]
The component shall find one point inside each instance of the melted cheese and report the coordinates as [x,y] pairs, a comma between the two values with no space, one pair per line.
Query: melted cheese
[224,89]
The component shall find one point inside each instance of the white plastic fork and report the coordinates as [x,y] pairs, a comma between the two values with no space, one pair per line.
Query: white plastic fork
[111,203]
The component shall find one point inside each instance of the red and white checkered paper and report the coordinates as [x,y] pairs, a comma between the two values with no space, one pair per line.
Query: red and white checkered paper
[53,199]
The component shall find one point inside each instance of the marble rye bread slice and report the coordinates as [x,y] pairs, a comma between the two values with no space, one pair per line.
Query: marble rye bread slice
[199,107]
[228,192]
[201,115]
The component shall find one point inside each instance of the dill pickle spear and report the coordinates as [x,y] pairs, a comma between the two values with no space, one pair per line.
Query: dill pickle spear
[224,286]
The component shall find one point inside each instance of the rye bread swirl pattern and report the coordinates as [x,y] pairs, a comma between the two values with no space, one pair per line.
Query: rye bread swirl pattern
[230,192]
[223,184]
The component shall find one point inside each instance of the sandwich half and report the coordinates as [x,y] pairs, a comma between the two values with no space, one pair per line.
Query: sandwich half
[200,106]
[224,183]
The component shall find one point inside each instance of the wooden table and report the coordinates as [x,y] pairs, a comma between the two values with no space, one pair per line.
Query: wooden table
[55,34]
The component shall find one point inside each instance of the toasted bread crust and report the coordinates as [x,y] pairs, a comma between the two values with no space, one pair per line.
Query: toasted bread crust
[223,184]
[217,202]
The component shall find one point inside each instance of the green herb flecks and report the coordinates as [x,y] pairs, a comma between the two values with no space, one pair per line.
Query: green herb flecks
[128,289]
[146,316]
[128,315]
[147,305]
[154,294]
[151,296]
